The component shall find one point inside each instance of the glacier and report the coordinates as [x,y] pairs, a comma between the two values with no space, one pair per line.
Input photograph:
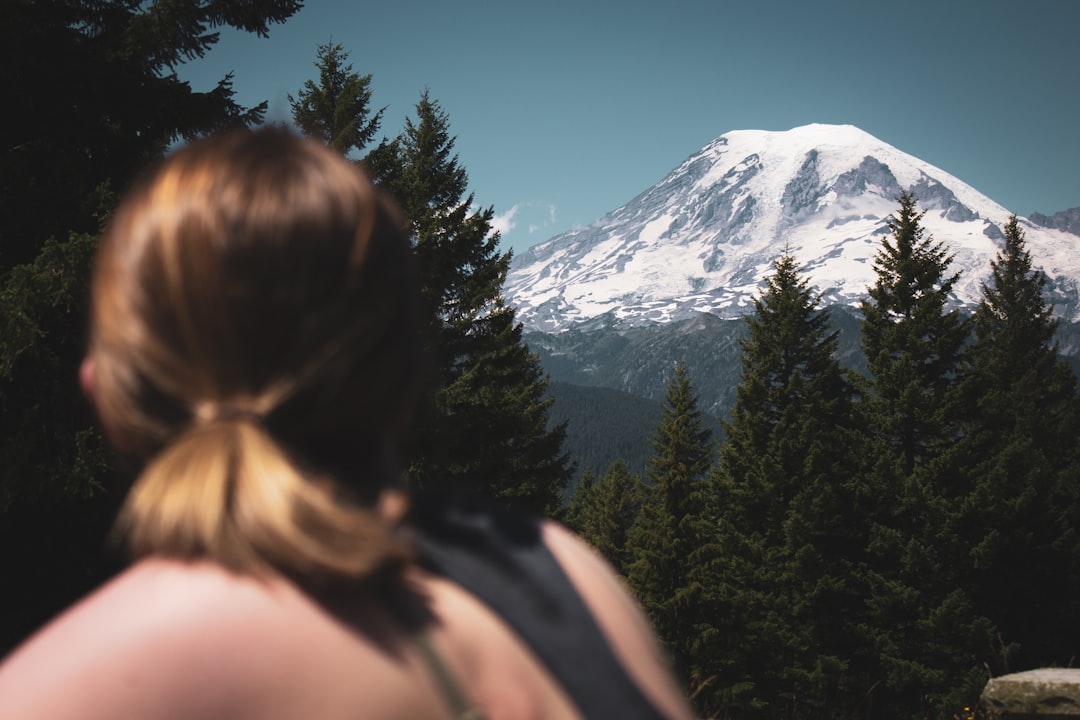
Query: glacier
[704,238]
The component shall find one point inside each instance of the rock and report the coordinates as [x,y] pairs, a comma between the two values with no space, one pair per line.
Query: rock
[1044,694]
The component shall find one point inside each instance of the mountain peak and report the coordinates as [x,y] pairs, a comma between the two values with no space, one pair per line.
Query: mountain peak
[704,238]
[812,135]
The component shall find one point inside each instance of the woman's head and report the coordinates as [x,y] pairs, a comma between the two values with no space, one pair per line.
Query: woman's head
[254,340]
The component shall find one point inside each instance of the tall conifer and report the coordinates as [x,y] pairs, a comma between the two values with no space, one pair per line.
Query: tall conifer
[923,623]
[96,100]
[1015,518]
[337,109]
[673,540]
[791,518]
[912,340]
[792,404]
[575,514]
[609,510]
[486,427]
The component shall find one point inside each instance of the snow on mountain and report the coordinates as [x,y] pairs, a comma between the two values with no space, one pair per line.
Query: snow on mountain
[705,237]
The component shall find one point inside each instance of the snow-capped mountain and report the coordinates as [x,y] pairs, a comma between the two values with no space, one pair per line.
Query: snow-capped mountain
[705,237]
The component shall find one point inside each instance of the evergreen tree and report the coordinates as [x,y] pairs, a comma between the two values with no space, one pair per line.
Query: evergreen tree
[575,513]
[791,406]
[673,540]
[98,100]
[486,428]
[49,446]
[912,340]
[1016,519]
[923,622]
[792,515]
[337,110]
[608,510]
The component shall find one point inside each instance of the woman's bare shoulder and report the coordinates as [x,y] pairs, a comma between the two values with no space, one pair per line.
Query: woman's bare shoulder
[139,645]
[169,640]
[619,616]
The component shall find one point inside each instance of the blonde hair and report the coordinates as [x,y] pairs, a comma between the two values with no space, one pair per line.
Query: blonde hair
[254,339]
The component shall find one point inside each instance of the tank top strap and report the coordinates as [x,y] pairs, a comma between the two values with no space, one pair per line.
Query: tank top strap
[452,692]
[500,557]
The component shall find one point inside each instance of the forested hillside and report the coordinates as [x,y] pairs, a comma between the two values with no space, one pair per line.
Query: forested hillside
[871,542]
[603,425]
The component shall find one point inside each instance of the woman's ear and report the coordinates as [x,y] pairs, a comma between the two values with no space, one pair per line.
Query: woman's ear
[88,384]
[87,378]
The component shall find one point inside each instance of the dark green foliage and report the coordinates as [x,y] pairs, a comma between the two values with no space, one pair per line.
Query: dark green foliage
[912,340]
[95,101]
[337,110]
[49,447]
[98,101]
[792,403]
[1015,516]
[574,513]
[492,427]
[603,511]
[461,267]
[604,426]
[486,427]
[673,542]
[792,515]
[921,620]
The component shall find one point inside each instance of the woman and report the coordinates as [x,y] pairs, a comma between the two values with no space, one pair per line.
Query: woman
[254,347]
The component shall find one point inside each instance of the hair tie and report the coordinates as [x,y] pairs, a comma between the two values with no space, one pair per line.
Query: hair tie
[234,413]
[228,412]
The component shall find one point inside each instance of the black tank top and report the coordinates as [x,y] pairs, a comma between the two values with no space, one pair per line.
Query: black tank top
[500,558]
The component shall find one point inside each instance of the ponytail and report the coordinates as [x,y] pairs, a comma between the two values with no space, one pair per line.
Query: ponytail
[254,315]
[227,491]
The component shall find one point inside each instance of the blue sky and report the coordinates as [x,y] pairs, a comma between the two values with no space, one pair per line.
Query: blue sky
[565,109]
